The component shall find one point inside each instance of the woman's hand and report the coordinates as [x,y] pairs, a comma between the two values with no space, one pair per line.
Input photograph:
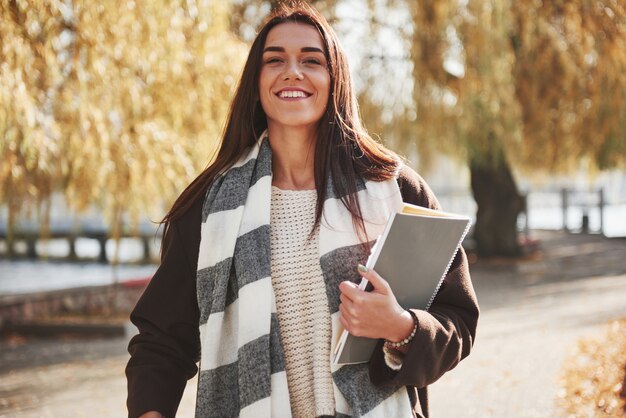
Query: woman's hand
[374,314]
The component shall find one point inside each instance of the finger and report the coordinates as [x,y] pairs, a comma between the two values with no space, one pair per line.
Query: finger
[345,315]
[380,284]
[349,289]
[350,303]
[347,311]
[344,299]
[350,324]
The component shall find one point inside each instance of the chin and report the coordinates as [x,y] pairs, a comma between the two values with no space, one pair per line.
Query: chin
[296,122]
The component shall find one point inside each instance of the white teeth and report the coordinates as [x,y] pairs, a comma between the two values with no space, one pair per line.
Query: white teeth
[292,93]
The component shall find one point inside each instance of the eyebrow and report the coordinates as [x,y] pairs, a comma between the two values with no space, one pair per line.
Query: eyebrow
[281,49]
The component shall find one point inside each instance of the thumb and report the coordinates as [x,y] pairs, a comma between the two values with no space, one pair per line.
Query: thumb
[380,285]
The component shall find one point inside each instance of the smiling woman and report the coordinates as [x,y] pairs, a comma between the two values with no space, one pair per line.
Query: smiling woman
[261,252]
[294,84]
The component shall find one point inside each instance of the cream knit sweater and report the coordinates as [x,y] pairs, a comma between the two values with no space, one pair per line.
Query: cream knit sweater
[301,302]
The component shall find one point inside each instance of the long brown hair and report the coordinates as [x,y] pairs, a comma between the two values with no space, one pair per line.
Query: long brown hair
[343,148]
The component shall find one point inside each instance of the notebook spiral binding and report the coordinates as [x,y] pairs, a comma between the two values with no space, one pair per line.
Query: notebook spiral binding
[445,272]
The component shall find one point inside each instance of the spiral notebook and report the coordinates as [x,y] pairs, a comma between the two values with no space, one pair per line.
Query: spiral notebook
[413,254]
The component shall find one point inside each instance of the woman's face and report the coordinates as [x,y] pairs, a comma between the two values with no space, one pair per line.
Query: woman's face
[294,83]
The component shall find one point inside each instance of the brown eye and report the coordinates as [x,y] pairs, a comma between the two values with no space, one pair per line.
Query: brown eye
[312,61]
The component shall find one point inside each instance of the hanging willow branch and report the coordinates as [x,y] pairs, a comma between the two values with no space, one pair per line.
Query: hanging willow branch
[114,104]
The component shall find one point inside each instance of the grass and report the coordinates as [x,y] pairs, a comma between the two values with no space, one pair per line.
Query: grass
[594,378]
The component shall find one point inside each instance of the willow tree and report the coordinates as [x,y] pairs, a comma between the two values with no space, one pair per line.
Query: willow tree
[541,87]
[117,103]
[30,75]
[506,86]
[474,109]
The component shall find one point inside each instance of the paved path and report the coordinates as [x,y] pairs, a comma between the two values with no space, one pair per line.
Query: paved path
[533,312]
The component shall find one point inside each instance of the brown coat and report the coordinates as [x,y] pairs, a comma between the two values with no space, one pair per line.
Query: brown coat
[165,352]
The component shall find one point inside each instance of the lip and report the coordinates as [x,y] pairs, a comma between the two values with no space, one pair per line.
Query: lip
[307,94]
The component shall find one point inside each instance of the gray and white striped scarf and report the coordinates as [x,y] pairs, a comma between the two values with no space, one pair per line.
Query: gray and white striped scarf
[242,367]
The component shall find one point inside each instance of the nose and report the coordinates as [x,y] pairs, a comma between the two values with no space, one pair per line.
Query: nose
[293,71]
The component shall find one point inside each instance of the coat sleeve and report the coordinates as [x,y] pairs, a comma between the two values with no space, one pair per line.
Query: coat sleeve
[447,330]
[165,352]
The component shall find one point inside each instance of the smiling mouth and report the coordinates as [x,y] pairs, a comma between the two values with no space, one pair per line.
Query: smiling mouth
[293,94]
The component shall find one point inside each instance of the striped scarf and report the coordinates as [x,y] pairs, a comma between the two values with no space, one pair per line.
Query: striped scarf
[242,367]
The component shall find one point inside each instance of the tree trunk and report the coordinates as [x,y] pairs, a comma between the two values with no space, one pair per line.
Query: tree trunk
[498,203]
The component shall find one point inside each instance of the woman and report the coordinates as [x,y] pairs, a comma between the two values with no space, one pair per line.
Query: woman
[260,307]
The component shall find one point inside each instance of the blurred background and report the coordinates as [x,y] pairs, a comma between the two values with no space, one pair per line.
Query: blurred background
[513,111]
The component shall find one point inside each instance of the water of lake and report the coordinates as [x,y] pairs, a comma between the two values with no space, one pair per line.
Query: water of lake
[33,276]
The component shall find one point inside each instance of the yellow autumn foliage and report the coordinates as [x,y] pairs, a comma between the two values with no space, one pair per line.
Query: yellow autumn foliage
[120,103]
[594,377]
[540,82]
[117,103]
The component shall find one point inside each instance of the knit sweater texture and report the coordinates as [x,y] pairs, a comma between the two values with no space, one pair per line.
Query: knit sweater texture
[301,302]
